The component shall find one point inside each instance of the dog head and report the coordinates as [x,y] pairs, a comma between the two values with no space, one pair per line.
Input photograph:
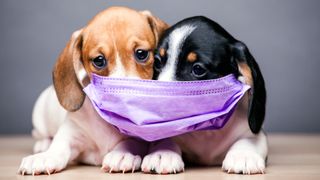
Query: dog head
[198,48]
[118,42]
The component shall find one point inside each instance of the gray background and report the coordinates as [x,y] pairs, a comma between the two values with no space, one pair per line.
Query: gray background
[282,35]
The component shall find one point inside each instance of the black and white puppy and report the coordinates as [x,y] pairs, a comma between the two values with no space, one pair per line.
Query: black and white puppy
[198,48]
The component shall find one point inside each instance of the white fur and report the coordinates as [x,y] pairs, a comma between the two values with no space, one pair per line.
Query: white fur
[119,160]
[234,146]
[247,155]
[81,75]
[119,70]
[242,79]
[41,115]
[176,40]
[42,145]
[164,157]
[81,136]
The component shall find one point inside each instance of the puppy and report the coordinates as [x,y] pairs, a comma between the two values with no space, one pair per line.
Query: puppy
[199,49]
[118,42]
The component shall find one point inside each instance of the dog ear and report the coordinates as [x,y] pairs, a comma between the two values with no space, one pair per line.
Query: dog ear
[157,25]
[66,73]
[250,71]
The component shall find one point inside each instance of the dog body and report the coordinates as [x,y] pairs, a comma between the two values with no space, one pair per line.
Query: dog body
[118,42]
[198,49]
[92,137]
[210,147]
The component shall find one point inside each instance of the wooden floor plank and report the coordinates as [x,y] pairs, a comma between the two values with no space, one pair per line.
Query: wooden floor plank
[291,156]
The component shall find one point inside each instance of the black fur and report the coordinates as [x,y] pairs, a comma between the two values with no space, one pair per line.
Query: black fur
[219,53]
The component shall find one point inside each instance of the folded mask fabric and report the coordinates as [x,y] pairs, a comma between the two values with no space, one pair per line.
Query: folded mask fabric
[154,110]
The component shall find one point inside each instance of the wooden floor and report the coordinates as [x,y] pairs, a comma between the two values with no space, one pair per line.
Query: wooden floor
[293,157]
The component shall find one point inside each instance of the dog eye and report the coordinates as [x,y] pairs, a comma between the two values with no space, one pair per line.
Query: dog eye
[157,62]
[99,62]
[198,70]
[141,55]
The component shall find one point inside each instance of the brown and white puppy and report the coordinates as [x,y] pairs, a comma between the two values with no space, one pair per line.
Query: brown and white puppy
[118,42]
[198,48]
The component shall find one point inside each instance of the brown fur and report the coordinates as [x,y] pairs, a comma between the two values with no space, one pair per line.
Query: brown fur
[65,80]
[114,31]
[246,72]
[162,52]
[192,56]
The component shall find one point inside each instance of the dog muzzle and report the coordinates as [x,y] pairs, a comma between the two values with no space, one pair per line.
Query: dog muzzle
[154,110]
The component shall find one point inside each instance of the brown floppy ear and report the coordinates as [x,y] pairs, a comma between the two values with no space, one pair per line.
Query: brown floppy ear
[250,71]
[65,81]
[157,25]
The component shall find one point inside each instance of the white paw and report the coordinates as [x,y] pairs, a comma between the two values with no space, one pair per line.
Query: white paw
[245,162]
[41,145]
[42,163]
[117,161]
[162,162]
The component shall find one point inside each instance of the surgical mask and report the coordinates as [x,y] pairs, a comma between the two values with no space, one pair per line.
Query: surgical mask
[154,110]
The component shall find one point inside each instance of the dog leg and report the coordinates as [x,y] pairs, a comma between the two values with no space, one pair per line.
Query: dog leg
[247,155]
[64,148]
[41,145]
[125,156]
[164,158]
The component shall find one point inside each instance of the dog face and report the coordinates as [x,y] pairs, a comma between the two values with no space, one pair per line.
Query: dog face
[118,42]
[197,48]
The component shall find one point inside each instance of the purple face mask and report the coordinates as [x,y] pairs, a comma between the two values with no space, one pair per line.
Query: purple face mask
[154,110]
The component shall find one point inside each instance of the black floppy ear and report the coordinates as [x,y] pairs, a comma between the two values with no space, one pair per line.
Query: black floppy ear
[250,71]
